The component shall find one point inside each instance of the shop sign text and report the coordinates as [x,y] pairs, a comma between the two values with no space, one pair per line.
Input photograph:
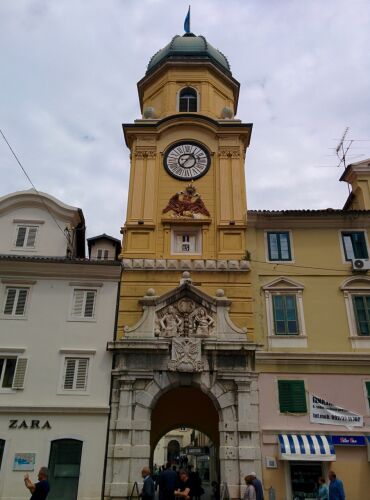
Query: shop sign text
[29,424]
[349,440]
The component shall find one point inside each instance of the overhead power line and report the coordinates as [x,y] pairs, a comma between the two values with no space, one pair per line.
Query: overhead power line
[33,185]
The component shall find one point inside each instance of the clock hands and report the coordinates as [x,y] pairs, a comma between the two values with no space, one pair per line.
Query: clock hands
[187,160]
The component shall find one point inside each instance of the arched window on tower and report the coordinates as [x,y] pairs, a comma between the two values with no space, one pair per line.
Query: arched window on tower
[188,101]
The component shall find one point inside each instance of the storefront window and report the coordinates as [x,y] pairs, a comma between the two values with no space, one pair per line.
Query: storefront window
[304,479]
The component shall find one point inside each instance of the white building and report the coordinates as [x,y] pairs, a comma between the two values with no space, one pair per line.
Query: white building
[57,312]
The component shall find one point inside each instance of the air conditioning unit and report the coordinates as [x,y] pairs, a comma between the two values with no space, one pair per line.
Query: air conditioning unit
[360,264]
[271,463]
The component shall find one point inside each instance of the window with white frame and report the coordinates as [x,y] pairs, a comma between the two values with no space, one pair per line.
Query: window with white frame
[75,373]
[83,304]
[12,372]
[26,236]
[188,100]
[285,314]
[354,245]
[15,302]
[102,254]
[356,292]
[186,241]
[284,311]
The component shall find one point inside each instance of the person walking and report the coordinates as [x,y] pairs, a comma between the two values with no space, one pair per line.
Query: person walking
[257,486]
[183,489]
[148,491]
[336,490]
[250,492]
[40,489]
[323,493]
[167,483]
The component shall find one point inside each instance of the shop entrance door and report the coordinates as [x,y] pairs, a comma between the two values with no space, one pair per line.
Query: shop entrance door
[64,469]
[304,479]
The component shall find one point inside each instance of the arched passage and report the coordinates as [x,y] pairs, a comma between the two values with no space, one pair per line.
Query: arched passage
[187,406]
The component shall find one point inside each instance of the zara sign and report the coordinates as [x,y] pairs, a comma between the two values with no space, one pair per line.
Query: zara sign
[31,424]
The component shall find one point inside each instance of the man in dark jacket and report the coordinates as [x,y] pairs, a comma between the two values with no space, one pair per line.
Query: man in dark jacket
[148,491]
[167,483]
[336,490]
[39,490]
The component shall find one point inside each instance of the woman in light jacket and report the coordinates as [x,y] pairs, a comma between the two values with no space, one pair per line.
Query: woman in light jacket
[250,492]
[323,493]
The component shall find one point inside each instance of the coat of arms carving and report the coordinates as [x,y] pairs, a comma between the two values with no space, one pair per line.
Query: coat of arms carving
[187,204]
[186,355]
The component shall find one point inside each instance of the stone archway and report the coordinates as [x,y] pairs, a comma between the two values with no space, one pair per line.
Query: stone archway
[158,367]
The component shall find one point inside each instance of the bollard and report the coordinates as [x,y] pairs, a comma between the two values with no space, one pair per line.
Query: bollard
[272,495]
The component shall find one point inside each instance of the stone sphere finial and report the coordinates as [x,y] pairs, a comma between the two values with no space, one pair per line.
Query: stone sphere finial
[149,113]
[220,292]
[227,113]
[150,292]
[186,275]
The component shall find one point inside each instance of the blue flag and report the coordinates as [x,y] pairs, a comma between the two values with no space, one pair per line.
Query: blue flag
[187,22]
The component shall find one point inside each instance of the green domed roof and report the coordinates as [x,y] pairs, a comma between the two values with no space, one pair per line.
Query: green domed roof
[189,46]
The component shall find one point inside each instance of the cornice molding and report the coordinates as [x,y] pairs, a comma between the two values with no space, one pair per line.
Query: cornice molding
[55,410]
[313,358]
[58,270]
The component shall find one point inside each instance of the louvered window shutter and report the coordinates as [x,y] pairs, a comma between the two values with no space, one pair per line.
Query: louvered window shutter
[20,373]
[9,303]
[21,302]
[99,254]
[21,235]
[292,396]
[31,238]
[81,379]
[78,302]
[69,374]
[105,254]
[89,304]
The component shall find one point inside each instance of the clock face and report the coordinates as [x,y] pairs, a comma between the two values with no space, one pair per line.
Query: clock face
[187,160]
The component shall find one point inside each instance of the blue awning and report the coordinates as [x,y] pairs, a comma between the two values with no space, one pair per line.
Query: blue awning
[306,447]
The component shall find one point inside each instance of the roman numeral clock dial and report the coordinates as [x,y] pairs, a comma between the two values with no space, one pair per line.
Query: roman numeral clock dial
[186,160]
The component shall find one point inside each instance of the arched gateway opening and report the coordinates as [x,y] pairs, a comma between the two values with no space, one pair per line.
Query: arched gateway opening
[184,406]
[187,415]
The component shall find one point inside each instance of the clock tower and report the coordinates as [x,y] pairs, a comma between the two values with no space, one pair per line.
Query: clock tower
[184,350]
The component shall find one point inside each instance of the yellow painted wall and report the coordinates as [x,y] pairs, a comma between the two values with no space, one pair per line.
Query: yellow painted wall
[236,285]
[161,93]
[319,265]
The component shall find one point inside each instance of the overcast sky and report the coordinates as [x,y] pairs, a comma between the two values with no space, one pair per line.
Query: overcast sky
[68,73]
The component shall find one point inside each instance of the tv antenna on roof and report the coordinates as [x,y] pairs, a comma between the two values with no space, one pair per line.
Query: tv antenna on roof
[342,149]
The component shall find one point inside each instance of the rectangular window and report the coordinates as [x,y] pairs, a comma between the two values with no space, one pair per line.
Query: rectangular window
[279,246]
[292,396]
[75,374]
[26,236]
[361,305]
[285,314]
[354,245]
[102,254]
[15,301]
[83,304]
[12,372]
[186,242]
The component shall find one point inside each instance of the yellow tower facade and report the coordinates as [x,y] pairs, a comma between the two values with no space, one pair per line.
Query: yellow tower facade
[186,206]
[184,354]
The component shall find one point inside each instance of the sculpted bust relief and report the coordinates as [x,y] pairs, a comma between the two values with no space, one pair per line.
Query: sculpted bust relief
[184,319]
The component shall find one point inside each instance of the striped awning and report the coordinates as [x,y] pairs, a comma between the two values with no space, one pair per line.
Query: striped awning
[306,447]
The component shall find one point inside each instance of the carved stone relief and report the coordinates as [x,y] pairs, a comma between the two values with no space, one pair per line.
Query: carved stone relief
[187,204]
[186,355]
[184,318]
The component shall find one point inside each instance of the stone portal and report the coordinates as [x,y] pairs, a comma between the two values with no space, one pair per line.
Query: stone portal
[183,363]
